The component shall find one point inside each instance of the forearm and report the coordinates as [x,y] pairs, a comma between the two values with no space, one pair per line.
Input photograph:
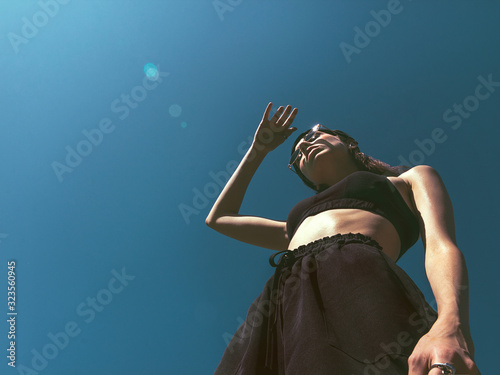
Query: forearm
[231,197]
[447,274]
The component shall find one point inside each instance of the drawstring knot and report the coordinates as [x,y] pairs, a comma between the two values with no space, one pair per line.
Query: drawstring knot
[286,259]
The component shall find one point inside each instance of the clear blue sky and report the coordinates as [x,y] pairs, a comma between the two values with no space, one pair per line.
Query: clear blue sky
[73,223]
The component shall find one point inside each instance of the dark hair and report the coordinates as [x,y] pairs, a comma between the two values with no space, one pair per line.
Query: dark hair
[362,161]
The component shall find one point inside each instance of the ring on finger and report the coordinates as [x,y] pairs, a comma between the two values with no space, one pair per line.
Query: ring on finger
[446,368]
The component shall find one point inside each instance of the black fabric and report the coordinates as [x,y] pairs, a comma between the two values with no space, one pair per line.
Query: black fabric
[362,190]
[338,305]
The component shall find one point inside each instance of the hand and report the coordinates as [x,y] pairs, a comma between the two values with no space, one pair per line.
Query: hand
[443,345]
[273,132]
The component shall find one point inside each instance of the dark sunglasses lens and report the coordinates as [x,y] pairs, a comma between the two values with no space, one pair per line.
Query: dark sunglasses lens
[294,156]
[296,153]
[313,134]
[309,135]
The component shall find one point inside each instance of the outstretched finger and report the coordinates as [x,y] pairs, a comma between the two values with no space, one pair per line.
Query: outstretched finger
[290,118]
[285,114]
[277,114]
[267,111]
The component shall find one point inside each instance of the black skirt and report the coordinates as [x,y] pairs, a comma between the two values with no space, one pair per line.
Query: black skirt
[338,305]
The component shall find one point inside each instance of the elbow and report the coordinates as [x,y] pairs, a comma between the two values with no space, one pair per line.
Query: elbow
[209,221]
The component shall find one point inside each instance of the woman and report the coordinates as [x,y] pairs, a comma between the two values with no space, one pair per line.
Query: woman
[337,302]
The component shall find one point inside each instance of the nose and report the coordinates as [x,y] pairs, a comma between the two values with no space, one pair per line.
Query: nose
[305,144]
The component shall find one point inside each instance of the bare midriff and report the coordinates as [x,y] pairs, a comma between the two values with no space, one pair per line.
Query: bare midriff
[353,220]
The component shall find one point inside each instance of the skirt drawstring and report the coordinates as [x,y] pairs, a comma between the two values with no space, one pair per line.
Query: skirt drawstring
[285,259]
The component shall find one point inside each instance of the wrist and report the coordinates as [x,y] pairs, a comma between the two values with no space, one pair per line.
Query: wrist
[258,149]
[451,323]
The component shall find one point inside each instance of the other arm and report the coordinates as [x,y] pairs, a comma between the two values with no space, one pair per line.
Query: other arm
[449,339]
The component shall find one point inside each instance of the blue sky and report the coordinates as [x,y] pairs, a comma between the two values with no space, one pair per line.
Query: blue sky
[102,249]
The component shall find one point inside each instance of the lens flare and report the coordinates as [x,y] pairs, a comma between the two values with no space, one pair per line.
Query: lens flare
[151,71]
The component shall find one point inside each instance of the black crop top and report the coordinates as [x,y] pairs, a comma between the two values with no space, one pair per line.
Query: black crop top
[366,191]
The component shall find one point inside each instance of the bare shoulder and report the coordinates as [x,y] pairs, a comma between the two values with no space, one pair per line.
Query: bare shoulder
[435,209]
[422,183]
[414,179]
[419,174]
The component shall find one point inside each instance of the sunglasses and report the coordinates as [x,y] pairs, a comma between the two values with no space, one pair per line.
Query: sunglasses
[310,136]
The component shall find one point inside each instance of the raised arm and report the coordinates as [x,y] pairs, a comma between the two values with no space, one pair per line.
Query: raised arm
[224,216]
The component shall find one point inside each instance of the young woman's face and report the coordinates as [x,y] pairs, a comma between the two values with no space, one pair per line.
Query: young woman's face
[319,155]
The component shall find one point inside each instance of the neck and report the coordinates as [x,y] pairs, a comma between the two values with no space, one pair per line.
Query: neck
[339,174]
